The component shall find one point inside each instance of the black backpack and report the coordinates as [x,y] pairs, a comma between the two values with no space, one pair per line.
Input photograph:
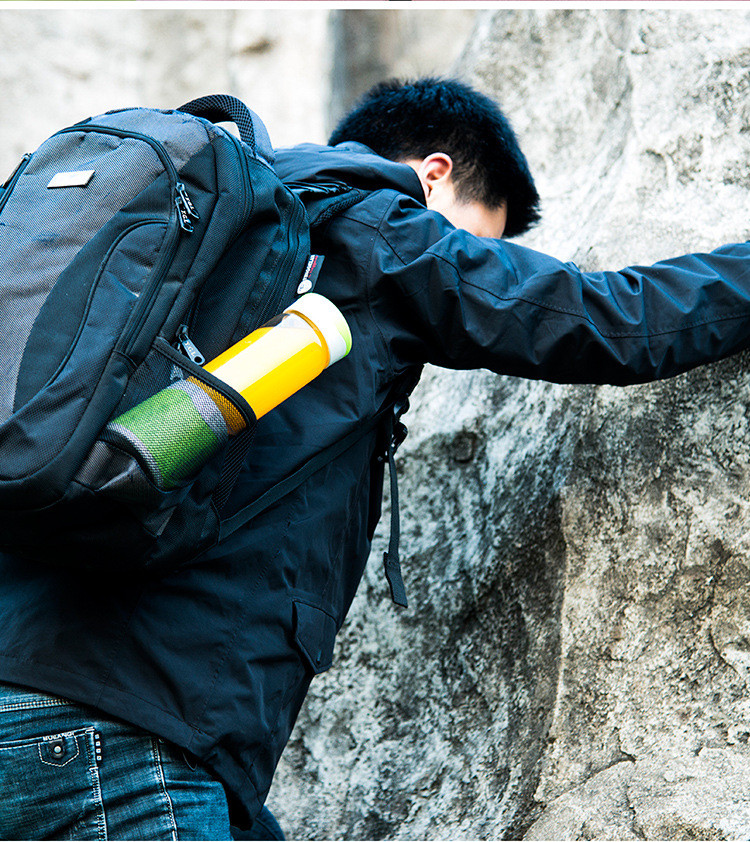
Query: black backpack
[127,242]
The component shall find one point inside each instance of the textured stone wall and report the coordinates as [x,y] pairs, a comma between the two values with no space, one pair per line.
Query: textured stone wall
[60,65]
[53,73]
[574,663]
[369,45]
[298,69]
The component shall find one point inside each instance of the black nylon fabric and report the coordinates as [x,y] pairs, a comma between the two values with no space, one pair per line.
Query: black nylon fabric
[178,227]
[44,230]
[218,655]
[222,107]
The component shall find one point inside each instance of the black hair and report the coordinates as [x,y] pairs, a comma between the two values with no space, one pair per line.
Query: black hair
[412,119]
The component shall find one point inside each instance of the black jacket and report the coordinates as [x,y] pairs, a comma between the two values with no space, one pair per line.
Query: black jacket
[218,655]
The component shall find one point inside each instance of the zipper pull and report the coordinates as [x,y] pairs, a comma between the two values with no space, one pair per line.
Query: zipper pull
[185,344]
[186,211]
[183,217]
[19,165]
[186,200]
[180,187]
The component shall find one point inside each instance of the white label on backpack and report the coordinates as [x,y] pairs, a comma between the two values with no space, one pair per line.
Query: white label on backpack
[79,178]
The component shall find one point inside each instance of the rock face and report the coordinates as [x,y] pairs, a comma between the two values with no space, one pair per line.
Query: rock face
[58,66]
[369,45]
[298,69]
[576,655]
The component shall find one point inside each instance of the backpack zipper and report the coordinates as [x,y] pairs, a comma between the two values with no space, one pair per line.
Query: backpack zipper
[246,211]
[188,347]
[224,389]
[125,133]
[272,303]
[150,291]
[112,248]
[185,208]
[10,182]
[182,212]
[242,155]
[186,211]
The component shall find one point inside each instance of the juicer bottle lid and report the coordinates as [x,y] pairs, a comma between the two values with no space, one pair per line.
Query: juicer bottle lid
[327,318]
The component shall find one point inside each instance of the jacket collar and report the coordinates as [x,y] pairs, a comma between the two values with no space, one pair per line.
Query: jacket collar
[352,163]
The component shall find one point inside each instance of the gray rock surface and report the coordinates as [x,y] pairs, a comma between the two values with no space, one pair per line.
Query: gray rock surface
[575,660]
[574,663]
[297,68]
[369,45]
[60,65]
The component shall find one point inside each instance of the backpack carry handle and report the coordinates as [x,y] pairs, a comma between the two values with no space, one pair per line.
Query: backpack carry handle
[219,108]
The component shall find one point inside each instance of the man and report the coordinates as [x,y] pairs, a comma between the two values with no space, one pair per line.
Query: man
[161,709]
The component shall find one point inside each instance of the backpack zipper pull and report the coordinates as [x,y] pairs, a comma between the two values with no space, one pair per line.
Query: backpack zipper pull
[188,348]
[186,211]
[17,170]
[189,206]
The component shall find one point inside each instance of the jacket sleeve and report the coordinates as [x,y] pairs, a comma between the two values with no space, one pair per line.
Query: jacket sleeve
[468,302]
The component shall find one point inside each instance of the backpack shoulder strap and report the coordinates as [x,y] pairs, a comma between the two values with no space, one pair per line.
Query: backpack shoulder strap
[389,419]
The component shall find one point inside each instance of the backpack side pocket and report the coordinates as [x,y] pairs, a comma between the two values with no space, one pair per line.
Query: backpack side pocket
[162,454]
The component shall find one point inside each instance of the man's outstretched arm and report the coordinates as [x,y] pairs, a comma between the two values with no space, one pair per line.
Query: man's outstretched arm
[470,303]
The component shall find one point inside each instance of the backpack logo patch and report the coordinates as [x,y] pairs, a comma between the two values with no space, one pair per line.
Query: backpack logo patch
[78,178]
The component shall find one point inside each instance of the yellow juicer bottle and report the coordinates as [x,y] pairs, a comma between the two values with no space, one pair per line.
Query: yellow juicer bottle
[278,359]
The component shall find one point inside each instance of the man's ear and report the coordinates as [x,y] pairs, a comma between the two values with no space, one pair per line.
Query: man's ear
[434,171]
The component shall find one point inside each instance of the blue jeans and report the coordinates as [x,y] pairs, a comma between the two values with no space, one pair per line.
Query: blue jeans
[69,772]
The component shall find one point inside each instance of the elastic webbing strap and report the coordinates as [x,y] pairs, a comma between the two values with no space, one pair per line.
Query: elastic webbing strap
[391,563]
[287,485]
[235,458]
[323,210]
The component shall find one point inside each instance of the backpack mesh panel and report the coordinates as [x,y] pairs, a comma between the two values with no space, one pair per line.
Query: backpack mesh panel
[171,420]
[42,229]
[182,135]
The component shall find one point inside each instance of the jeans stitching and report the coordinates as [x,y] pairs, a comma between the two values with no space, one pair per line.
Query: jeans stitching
[101,819]
[163,784]
[51,763]
[40,703]
[11,745]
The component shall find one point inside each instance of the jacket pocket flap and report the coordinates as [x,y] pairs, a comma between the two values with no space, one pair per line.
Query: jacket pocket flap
[315,634]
